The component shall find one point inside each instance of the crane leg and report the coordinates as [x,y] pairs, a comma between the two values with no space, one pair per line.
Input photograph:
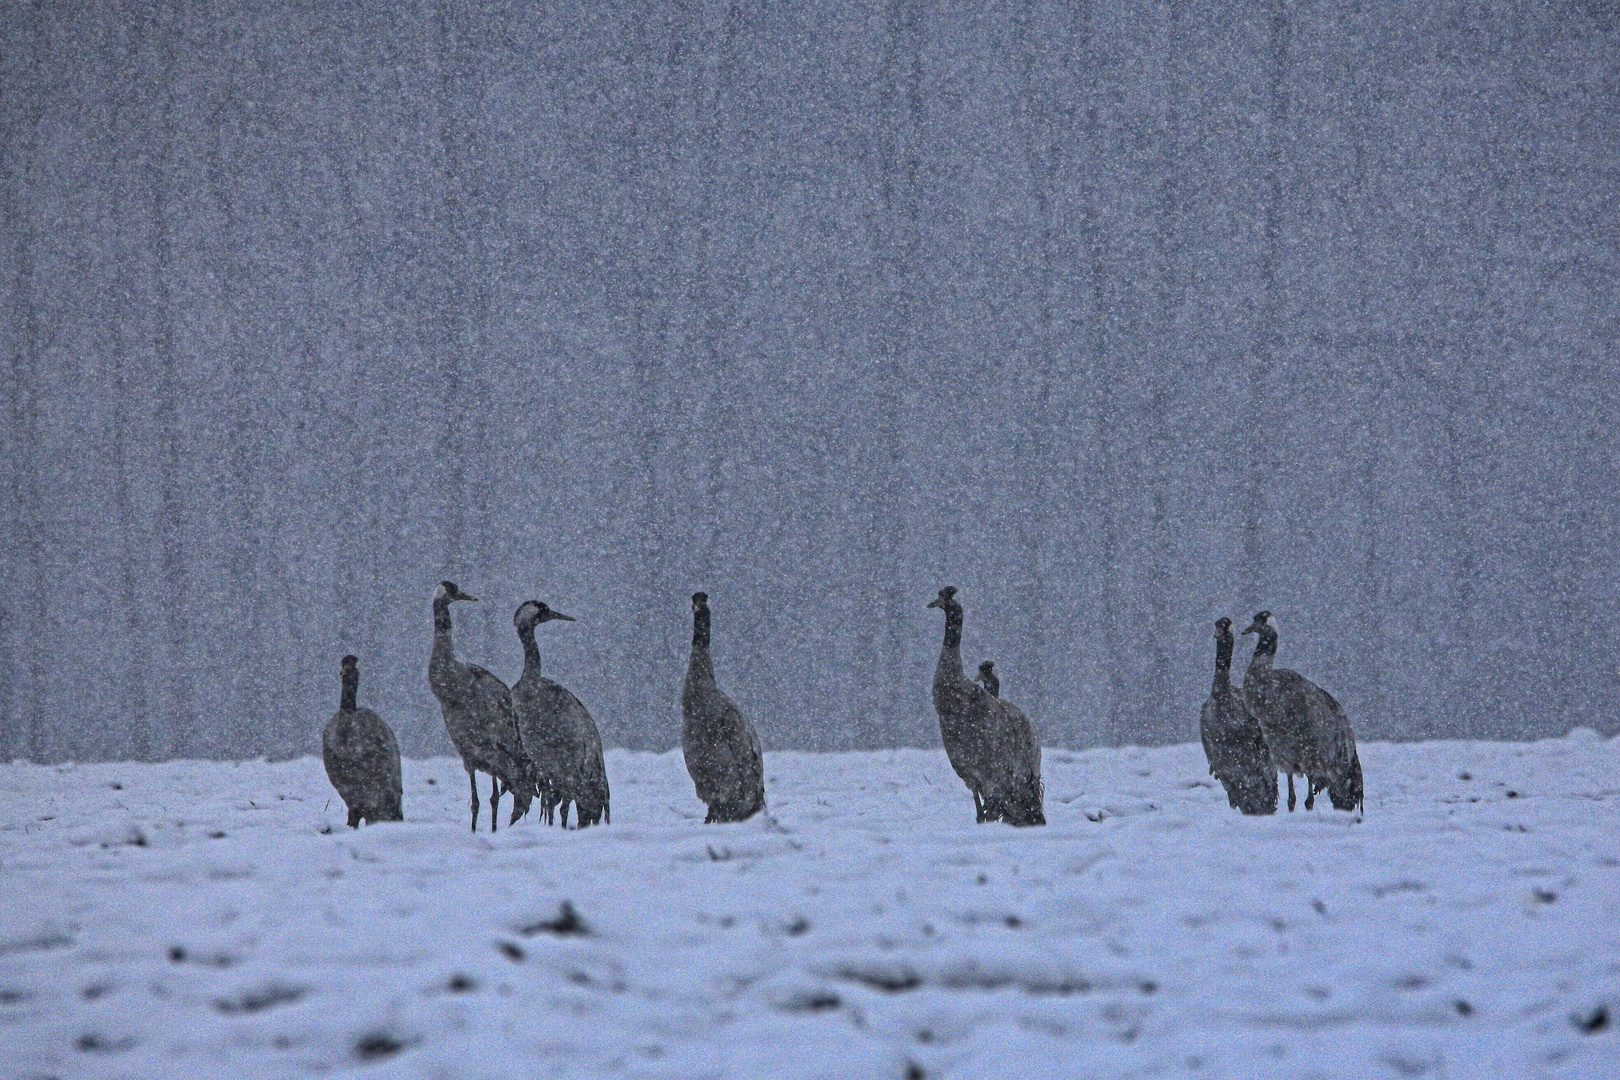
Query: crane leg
[565,815]
[472,778]
[1290,793]
[494,800]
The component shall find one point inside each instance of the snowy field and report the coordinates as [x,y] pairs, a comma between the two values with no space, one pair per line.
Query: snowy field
[208,920]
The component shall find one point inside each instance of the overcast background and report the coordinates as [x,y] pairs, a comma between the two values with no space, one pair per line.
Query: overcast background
[1119,316]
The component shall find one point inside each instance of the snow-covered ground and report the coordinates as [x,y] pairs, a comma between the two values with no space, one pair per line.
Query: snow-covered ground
[204,919]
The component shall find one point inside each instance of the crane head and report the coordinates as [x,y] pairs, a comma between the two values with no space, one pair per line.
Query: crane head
[447,590]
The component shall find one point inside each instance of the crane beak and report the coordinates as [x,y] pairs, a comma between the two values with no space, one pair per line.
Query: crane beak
[1254,628]
[560,615]
[933,603]
[464,596]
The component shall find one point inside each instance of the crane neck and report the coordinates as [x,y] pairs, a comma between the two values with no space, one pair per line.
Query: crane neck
[1267,645]
[701,665]
[1223,664]
[531,651]
[953,626]
[1263,659]
[351,689]
[444,648]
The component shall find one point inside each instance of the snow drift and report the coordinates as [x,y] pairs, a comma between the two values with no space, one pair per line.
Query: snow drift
[201,918]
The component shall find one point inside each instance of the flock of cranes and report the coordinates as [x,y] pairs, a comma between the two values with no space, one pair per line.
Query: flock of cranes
[1279,722]
[990,742]
[535,740]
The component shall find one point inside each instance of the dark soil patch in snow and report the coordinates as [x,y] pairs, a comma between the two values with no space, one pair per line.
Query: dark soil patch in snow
[377,1044]
[1406,1066]
[1593,1021]
[1382,891]
[566,924]
[813,1002]
[895,980]
[179,955]
[983,980]
[254,1001]
[92,1043]
[36,943]
[890,981]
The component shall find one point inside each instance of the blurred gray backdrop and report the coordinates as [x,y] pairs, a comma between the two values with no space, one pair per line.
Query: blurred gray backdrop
[1119,316]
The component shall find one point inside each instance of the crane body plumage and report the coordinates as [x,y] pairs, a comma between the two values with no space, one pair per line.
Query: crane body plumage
[362,757]
[990,743]
[722,749]
[1234,744]
[478,716]
[559,736]
[1306,730]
